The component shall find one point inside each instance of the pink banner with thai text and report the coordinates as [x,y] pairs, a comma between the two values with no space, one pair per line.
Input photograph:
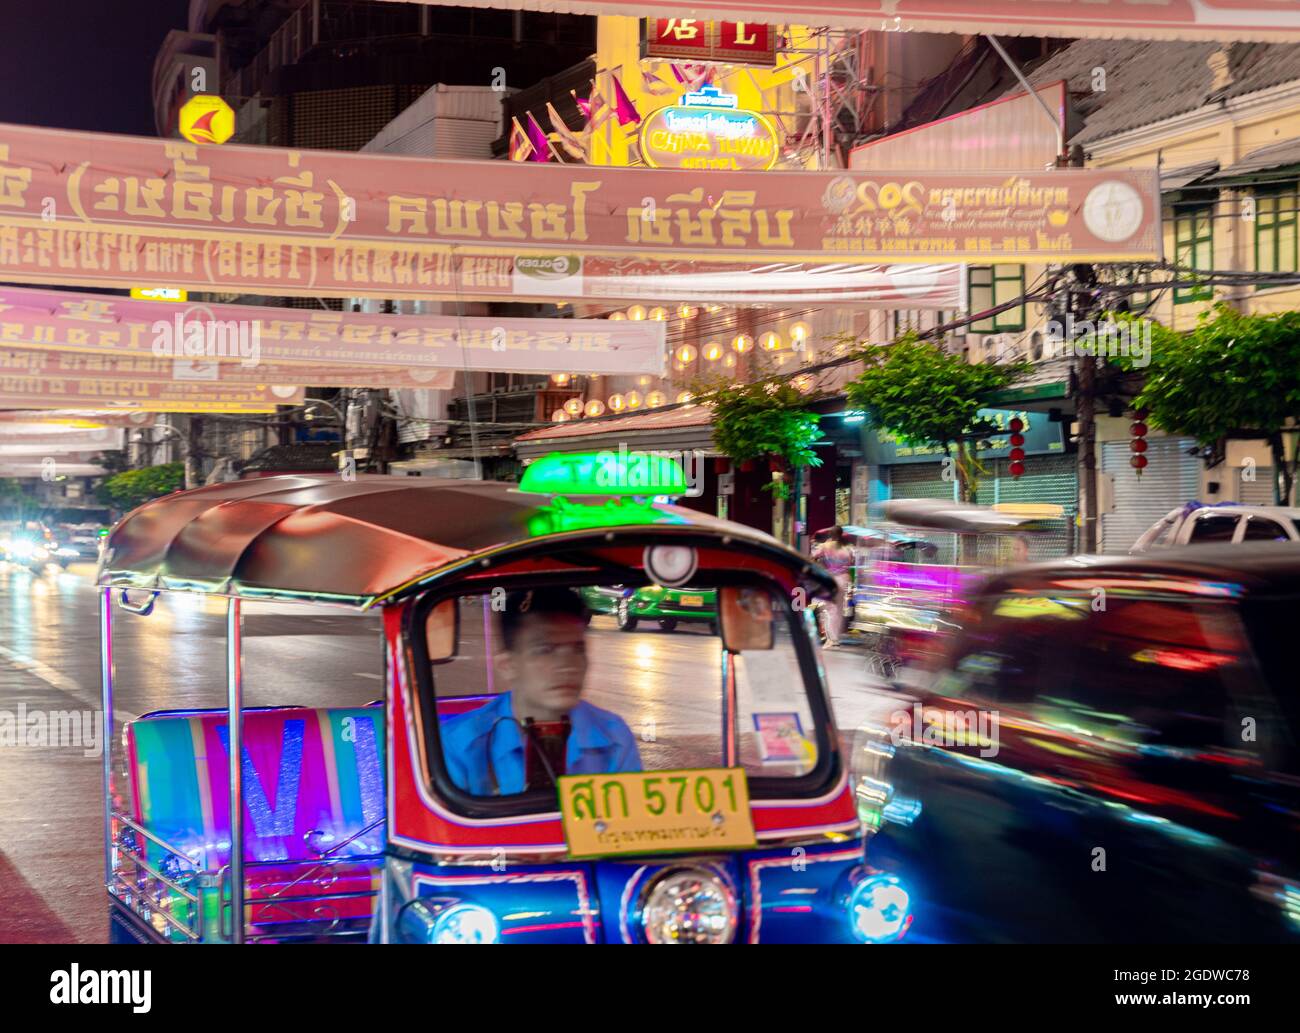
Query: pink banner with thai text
[54,179]
[113,259]
[322,341]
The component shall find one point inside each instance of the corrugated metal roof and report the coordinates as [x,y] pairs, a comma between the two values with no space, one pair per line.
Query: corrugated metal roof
[1177,179]
[1273,156]
[1147,82]
[685,416]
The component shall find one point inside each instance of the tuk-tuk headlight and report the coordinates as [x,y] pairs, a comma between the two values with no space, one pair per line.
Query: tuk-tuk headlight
[880,909]
[689,905]
[423,921]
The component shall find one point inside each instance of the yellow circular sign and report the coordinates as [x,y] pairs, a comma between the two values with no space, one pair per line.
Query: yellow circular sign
[690,137]
[205,118]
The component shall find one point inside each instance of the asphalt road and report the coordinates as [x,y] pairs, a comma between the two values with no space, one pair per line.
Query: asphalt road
[51,818]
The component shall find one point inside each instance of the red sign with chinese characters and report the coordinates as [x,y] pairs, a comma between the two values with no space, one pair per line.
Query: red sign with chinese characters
[693,39]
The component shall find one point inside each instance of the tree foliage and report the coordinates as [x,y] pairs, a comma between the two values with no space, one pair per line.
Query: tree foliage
[924,394]
[131,488]
[1234,375]
[764,418]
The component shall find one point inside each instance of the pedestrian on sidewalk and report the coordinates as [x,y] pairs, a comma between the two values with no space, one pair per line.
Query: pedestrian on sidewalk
[835,555]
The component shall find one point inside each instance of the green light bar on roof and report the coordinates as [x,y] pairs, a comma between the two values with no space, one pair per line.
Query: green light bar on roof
[605,473]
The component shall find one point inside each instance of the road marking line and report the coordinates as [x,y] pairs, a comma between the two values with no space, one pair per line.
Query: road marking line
[61,682]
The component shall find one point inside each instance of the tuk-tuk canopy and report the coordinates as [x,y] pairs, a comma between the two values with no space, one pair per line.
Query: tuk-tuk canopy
[965,518]
[358,541]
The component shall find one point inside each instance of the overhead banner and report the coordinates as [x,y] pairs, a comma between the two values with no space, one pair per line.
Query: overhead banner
[72,420]
[85,392]
[1273,20]
[19,468]
[36,362]
[33,436]
[270,195]
[89,258]
[326,341]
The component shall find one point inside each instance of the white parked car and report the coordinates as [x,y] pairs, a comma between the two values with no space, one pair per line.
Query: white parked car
[1223,522]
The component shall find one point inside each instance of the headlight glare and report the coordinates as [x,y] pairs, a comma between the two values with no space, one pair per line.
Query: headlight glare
[880,909]
[689,905]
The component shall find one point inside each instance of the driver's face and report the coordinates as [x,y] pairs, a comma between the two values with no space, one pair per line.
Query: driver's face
[547,663]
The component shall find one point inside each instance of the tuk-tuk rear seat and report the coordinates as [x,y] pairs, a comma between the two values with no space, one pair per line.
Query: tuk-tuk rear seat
[313,805]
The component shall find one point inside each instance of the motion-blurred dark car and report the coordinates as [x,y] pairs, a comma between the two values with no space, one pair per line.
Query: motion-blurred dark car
[1108,754]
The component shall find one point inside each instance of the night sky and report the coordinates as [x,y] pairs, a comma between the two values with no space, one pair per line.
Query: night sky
[83,64]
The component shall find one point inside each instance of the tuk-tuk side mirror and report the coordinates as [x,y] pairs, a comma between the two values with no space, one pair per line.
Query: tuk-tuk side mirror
[745,619]
[442,632]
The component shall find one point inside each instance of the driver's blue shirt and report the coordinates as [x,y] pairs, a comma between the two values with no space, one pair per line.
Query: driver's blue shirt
[599,742]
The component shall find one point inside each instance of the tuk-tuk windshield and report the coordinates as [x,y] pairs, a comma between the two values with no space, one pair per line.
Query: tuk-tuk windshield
[602,678]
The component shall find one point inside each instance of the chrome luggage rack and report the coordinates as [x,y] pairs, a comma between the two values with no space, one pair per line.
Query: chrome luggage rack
[168,897]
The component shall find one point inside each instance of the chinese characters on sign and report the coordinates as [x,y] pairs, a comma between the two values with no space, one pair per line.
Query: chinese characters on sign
[691,39]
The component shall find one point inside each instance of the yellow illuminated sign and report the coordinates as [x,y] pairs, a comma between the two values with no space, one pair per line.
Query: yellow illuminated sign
[160,294]
[697,137]
[205,118]
[656,812]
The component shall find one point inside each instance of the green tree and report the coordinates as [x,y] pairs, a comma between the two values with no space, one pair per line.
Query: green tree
[766,417]
[131,488]
[1233,376]
[15,502]
[924,394]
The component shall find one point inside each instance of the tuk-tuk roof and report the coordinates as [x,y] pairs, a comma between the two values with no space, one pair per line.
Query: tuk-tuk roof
[356,542]
[965,518]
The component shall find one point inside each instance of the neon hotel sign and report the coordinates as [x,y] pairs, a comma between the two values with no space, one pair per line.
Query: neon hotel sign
[708,132]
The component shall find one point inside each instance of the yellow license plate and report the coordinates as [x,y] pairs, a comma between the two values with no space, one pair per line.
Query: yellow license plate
[692,600]
[656,812]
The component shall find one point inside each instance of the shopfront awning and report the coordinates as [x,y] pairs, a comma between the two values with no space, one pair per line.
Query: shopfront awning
[685,428]
[1270,159]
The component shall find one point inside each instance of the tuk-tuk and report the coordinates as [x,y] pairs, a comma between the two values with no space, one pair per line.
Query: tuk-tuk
[928,557]
[711,805]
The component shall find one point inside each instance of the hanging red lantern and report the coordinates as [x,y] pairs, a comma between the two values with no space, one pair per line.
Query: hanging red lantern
[1017,468]
[1138,445]
[1017,455]
[1016,424]
[1017,440]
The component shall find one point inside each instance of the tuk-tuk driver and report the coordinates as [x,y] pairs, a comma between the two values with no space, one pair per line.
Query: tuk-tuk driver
[542,728]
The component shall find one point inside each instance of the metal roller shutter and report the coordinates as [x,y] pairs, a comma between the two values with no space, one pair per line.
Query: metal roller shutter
[1048,479]
[1171,478]
[1259,490]
[919,481]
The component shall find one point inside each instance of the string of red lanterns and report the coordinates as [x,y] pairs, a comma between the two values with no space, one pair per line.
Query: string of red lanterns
[1138,445]
[1017,454]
